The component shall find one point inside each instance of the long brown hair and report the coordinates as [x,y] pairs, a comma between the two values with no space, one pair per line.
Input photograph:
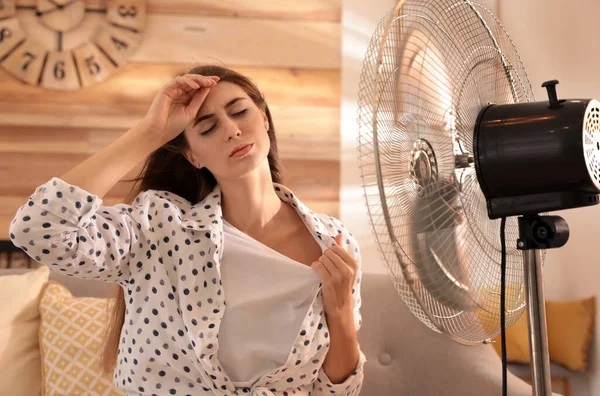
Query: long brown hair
[167,169]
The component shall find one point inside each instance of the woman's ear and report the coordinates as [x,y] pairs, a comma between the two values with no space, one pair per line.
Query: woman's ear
[190,157]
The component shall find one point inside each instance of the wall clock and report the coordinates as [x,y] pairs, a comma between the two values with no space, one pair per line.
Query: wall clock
[68,44]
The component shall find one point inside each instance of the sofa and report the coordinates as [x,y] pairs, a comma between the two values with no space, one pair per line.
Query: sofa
[404,357]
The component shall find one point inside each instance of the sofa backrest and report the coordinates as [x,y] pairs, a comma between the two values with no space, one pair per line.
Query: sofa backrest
[404,357]
[78,287]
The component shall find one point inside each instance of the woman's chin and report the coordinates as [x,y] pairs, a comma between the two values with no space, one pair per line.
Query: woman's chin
[249,165]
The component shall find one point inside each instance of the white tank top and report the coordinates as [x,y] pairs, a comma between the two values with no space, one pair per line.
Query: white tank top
[268,296]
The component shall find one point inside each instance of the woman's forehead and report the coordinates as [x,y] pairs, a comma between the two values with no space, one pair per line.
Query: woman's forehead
[223,92]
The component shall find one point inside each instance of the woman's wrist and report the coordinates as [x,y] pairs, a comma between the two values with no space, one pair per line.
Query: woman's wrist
[146,132]
[343,316]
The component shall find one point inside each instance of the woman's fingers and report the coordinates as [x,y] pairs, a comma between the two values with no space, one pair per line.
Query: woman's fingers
[186,84]
[322,270]
[345,256]
[189,82]
[205,81]
[190,90]
[197,100]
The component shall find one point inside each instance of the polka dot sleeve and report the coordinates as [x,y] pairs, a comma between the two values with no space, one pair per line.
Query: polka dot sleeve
[66,228]
[353,384]
[350,387]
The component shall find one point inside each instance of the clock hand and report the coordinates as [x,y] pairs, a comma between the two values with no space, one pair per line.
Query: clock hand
[59,7]
[99,10]
[55,3]
[60,41]
[39,13]
[56,7]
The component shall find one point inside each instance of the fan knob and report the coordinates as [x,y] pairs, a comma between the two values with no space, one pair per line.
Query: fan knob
[552,96]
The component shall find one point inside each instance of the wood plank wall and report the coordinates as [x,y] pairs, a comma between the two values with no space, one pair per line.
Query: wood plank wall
[291,49]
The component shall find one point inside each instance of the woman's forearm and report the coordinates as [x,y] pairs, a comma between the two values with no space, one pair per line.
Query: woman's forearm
[342,357]
[100,172]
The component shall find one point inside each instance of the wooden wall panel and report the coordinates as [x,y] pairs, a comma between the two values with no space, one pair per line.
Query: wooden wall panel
[302,101]
[309,179]
[313,181]
[8,208]
[200,39]
[312,10]
[290,49]
[184,39]
[87,141]
[137,83]
[292,121]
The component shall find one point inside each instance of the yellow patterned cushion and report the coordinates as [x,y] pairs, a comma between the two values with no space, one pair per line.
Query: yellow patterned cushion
[71,337]
[570,324]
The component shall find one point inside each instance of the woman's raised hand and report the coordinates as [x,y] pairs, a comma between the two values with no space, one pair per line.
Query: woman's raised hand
[176,104]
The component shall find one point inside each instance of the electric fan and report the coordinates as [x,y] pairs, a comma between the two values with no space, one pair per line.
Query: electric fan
[459,166]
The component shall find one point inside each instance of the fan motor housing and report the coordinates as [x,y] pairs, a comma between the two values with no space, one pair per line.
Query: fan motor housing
[539,156]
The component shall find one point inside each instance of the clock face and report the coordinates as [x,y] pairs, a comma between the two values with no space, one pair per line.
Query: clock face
[68,44]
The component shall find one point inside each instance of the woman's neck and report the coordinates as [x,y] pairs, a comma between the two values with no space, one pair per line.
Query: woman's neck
[252,205]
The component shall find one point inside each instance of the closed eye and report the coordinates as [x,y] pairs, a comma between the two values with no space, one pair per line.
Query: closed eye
[238,114]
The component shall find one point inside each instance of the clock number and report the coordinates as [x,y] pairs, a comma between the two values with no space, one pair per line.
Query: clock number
[119,44]
[92,65]
[124,12]
[31,56]
[5,33]
[59,70]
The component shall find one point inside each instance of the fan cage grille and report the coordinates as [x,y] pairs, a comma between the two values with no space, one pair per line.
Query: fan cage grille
[429,69]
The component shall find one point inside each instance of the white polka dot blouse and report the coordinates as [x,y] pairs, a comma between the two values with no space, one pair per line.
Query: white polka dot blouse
[165,252]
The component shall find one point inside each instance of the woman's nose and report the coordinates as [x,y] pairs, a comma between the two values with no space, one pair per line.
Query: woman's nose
[232,129]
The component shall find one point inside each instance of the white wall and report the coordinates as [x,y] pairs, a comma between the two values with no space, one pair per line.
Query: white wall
[560,40]
[556,39]
[359,20]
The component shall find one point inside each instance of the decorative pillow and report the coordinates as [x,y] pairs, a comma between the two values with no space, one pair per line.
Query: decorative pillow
[19,325]
[517,341]
[71,338]
[570,328]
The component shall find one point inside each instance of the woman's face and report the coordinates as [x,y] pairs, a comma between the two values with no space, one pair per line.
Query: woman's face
[227,119]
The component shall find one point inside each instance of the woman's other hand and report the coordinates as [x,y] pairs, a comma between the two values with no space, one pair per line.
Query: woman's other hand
[337,270]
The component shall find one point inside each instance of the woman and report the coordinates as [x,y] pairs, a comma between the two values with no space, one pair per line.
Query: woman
[212,227]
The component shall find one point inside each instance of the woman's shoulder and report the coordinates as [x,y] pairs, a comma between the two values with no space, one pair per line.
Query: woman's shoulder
[159,205]
[161,200]
[151,195]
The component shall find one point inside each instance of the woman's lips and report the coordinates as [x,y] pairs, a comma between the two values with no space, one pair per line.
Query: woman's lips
[243,151]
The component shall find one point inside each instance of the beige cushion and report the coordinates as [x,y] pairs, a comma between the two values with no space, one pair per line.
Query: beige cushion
[19,325]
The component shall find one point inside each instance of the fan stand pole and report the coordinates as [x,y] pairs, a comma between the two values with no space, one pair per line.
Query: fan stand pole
[536,233]
[536,315]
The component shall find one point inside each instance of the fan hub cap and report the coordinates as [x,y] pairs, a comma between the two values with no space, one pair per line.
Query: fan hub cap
[423,166]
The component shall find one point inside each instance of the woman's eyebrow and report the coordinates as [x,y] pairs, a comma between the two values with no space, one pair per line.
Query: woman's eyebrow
[229,104]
